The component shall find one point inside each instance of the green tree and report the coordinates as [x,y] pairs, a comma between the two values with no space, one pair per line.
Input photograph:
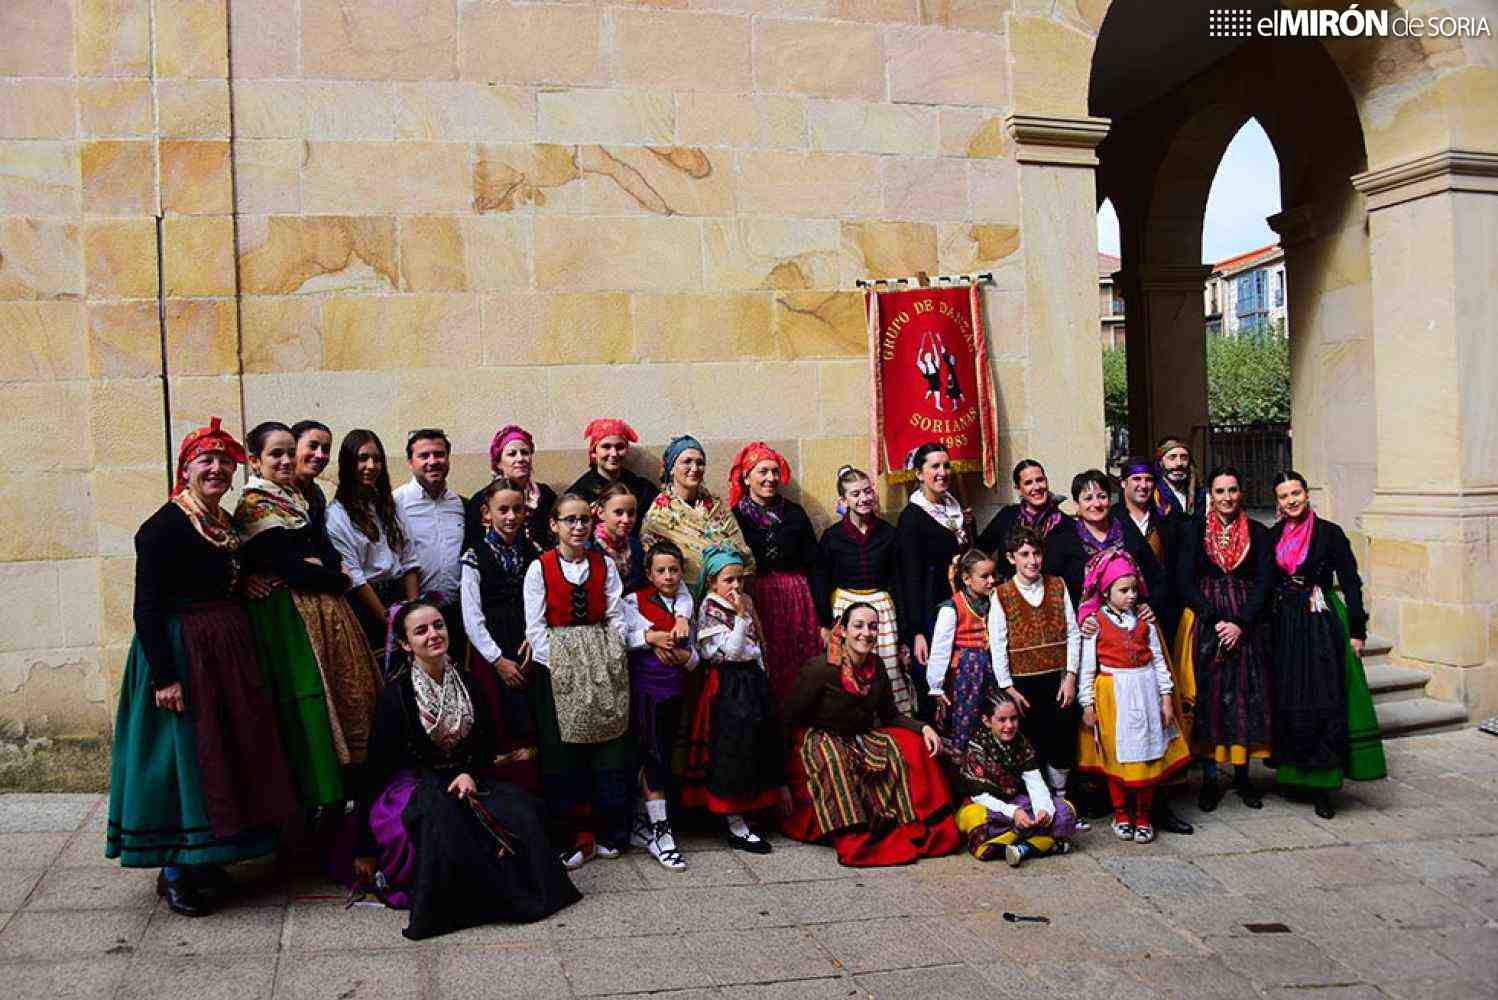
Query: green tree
[1115,387]
[1248,377]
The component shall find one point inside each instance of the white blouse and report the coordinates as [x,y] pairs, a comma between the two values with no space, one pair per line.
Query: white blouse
[636,624]
[365,560]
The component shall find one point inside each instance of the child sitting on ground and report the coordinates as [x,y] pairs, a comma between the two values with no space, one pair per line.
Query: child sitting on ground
[1129,733]
[1009,806]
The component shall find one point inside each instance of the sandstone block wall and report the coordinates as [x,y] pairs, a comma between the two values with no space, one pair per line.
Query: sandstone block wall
[396,213]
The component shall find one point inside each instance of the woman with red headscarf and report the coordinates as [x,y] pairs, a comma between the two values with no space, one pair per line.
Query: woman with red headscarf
[609,441]
[785,554]
[198,778]
[512,453]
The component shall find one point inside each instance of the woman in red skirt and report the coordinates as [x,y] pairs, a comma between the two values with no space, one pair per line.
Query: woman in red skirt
[785,552]
[863,776]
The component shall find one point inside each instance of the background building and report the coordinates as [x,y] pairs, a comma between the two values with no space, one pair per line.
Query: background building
[1246,293]
[1110,302]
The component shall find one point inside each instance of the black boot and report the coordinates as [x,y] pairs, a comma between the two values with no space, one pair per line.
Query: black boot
[1245,790]
[181,898]
[210,880]
[1324,807]
[1210,794]
[1167,820]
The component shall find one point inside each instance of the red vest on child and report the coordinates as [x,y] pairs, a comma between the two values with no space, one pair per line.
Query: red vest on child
[569,604]
[660,618]
[972,631]
[1118,649]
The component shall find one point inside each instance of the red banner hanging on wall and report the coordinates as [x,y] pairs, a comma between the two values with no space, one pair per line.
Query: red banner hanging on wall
[928,362]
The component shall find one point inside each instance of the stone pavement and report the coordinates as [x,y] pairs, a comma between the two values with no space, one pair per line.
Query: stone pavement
[1395,897]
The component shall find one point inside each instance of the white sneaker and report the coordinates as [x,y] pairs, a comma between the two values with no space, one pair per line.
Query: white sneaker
[607,852]
[573,860]
[662,847]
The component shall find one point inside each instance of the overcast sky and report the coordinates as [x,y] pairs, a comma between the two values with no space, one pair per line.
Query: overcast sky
[1245,191]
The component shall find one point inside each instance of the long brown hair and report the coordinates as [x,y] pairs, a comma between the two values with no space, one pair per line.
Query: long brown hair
[373,508]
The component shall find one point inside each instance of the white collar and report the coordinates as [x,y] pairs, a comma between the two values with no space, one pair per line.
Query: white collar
[418,490]
[1029,588]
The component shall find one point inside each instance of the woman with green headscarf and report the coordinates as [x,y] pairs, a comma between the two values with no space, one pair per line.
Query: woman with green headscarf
[686,514]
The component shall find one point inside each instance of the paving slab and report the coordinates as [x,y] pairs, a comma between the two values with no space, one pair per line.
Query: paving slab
[1381,900]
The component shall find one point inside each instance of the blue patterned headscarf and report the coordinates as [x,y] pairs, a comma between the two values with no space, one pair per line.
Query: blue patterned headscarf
[714,559]
[673,451]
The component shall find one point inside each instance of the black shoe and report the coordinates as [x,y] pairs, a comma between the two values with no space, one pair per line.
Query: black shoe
[1166,820]
[180,897]
[211,880]
[1324,807]
[757,846]
[1246,792]
[1209,796]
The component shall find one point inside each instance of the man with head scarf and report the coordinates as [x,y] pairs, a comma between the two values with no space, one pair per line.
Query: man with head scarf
[609,440]
[1176,488]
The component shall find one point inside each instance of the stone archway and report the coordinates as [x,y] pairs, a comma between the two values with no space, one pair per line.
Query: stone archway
[1158,165]
[1389,173]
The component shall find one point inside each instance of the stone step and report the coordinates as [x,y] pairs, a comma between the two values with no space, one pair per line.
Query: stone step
[1391,682]
[1377,645]
[1418,716]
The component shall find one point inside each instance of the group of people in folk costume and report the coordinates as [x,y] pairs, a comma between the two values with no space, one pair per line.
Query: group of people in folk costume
[456,702]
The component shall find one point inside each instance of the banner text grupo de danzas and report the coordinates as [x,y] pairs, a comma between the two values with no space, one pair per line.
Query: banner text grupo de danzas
[928,363]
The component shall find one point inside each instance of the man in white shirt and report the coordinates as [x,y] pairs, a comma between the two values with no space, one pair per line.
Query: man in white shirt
[432,515]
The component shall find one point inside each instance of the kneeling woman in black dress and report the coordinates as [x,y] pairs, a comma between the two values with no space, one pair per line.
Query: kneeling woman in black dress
[455,846]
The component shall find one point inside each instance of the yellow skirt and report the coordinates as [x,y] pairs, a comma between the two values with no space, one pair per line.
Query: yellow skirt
[1182,660]
[1096,759]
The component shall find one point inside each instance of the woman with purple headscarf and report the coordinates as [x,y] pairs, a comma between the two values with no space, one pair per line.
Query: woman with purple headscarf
[512,453]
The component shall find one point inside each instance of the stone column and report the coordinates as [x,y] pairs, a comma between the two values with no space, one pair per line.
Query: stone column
[1433,522]
[1058,203]
[1331,353]
[1167,353]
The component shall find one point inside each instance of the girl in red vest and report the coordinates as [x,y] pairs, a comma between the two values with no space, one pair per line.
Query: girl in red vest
[959,671]
[580,695]
[1129,732]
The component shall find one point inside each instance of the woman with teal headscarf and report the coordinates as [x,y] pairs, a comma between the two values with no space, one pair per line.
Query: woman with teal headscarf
[735,749]
[689,516]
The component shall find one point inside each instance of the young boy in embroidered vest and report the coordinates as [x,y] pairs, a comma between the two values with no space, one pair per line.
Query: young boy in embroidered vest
[959,670]
[736,754]
[1037,653]
[493,603]
[574,623]
[658,621]
[1129,732]
[1009,806]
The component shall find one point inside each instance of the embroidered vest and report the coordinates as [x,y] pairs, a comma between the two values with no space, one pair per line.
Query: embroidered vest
[568,604]
[1121,650]
[1037,636]
[972,631]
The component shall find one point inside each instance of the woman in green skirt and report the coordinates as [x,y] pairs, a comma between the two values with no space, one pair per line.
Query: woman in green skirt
[198,778]
[317,662]
[1324,726]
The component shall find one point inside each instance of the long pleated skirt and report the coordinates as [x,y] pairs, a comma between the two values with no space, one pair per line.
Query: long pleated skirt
[1325,728]
[207,785]
[969,685]
[350,674]
[735,747]
[1233,708]
[877,798]
[792,632]
[295,684]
